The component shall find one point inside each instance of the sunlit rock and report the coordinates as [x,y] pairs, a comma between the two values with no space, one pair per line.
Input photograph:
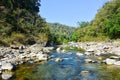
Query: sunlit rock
[110,61]
[7,66]
[79,54]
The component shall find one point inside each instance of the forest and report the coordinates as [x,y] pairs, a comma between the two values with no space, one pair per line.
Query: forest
[61,33]
[21,23]
[105,25]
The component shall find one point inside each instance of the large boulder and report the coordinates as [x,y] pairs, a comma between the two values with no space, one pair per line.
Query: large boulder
[7,66]
[110,61]
[6,76]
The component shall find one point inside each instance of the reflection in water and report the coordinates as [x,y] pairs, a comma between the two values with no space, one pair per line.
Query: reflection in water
[73,68]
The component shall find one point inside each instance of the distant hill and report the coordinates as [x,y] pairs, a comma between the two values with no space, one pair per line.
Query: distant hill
[62,33]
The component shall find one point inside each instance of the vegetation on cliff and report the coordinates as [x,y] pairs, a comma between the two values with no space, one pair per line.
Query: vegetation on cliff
[21,23]
[106,24]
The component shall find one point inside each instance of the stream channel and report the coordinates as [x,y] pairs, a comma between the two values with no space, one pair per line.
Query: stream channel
[71,67]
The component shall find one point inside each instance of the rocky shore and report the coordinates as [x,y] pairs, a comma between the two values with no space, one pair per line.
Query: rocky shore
[97,52]
[14,55]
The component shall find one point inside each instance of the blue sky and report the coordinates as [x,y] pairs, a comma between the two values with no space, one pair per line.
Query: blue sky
[69,12]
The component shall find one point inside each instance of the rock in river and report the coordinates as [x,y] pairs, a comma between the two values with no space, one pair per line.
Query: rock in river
[58,60]
[110,61]
[7,66]
[6,76]
[117,63]
[79,54]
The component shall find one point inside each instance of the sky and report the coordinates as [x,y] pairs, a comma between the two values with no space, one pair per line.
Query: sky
[69,12]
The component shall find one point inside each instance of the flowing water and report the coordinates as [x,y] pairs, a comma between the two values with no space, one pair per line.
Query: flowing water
[71,68]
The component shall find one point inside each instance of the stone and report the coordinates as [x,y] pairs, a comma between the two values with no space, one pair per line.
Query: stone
[114,57]
[79,54]
[110,61]
[117,63]
[88,53]
[90,50]
[7,66]
[0,63]
[88,60]
[42,57]
[84,72]
[46,50]
[58,49]
[58,60]
[0,70]
[116,51]
[63,51]
[14,47]
[21,47]
[6,76]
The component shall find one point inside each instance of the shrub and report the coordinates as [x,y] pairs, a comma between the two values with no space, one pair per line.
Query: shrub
[18,37]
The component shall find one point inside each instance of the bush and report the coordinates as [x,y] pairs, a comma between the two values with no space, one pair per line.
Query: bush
[18,37]
[3,43]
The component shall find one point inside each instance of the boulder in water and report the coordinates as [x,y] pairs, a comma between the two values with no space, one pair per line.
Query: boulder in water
[58,49]
[117,63]
[6,76]
[7,66]
[88,60]
[79,54]
[58,60]
[110,61]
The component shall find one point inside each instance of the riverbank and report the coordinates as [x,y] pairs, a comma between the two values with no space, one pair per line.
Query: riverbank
[104,52]
[12,56]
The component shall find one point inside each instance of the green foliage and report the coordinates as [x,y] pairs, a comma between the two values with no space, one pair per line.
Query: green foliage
[105,26]
[61,33]
[19,21]
[83,24]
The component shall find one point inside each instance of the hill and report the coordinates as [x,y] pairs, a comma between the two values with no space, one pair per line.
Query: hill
[61,33]
[106,24]
[20,22]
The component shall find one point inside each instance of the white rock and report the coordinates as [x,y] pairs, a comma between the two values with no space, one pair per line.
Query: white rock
[42,57]
[110,61]
[117,63]
[58,49]
[84,72]
[0,70]
[46,50]
[98,53]
[114,57]
[63,51]
[79,54]
[87,53]
[88,60]
[0,63]
[6,76]
[90,50]
[116,51]
[7,66]
[58,60]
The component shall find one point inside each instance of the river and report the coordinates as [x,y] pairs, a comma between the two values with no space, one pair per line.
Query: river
[71,67]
